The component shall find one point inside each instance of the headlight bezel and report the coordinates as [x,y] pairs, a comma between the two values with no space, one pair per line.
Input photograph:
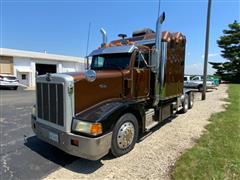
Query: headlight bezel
[89,128]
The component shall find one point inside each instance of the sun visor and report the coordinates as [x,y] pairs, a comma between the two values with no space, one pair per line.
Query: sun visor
[113,50]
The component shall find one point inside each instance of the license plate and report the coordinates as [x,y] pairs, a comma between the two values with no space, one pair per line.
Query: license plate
[53,136]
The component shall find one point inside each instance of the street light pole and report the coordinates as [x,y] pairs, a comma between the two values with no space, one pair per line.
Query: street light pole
[206,51]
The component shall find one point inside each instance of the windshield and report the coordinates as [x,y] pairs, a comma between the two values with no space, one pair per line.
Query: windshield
[110,61]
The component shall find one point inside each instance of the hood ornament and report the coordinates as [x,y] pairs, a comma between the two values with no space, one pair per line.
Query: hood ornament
[48,77]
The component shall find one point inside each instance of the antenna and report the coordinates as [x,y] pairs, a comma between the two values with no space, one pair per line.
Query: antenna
[89,28]
[159,3]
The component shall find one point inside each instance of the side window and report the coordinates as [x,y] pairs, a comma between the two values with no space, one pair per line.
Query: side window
[98,62]
[185,78]
[194,78]
[141,60]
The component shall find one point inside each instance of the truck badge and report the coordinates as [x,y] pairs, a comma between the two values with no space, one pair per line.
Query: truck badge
[48,77]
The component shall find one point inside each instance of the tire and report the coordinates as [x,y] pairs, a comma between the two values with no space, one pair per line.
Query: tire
[15,87]
[200,88]
[185,104]
[190,100]
[126,127]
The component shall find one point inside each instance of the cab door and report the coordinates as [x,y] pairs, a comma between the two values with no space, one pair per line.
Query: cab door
[141,76]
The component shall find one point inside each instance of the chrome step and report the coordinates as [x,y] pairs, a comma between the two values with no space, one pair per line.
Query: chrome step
[150,121]
[150,126]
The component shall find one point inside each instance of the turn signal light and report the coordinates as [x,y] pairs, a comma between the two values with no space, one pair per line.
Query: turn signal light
[75,142]
[96,129]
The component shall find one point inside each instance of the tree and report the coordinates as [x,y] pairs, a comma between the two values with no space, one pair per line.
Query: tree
[230,45]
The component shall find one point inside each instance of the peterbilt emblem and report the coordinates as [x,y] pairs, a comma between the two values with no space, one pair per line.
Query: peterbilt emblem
[48,77]
[103,86]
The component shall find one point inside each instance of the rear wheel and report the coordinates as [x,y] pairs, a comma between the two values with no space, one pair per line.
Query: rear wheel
[190,100]
[185,104]
[125,134]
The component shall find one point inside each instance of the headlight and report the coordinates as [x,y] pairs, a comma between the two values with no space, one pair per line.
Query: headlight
[34,110]
[86,127]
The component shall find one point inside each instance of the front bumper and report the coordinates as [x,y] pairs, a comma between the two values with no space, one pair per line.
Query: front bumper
[8,84]
[88,148]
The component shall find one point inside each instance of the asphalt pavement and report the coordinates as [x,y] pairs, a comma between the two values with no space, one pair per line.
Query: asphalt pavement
[22,155]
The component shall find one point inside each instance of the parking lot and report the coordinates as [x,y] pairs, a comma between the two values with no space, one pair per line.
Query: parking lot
[23,156]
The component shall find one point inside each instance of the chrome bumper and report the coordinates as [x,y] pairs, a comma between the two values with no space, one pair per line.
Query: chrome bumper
[88,148]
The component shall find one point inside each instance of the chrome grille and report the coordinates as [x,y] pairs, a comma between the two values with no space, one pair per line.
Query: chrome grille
[50,103]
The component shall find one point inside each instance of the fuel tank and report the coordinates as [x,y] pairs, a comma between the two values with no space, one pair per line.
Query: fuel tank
[108,85]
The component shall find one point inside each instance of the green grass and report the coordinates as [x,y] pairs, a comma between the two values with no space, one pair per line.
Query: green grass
[217,153]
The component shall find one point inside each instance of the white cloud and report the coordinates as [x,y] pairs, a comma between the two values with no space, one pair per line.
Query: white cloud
[212,55]
[197,69]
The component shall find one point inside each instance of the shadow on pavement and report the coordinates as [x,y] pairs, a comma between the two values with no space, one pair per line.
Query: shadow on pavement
[57,156]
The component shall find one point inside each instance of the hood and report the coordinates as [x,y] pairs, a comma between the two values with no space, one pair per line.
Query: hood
[107,86]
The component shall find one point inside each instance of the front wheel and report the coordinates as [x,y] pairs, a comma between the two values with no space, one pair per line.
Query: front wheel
[125,134]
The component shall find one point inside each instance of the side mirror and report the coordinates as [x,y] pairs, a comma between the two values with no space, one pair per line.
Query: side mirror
[90,75]
[88,62]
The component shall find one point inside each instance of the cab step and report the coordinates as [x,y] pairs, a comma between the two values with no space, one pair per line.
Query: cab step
[150,120]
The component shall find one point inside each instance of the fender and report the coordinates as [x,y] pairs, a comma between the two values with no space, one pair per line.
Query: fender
[109,112]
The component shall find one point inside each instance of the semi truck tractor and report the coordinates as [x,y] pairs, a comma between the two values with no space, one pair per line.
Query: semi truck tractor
[130,86]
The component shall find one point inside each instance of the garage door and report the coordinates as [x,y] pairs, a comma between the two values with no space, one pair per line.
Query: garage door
[45,68]
[6,65]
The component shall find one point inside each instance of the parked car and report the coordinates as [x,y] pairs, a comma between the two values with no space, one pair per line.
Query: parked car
[196,82]
[209,78]
[215,80]
[9,81]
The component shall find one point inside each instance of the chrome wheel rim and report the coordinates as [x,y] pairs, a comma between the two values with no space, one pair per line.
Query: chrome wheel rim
[125,135]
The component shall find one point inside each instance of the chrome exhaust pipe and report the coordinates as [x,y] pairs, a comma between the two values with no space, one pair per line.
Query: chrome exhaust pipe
[156,62]
[104,36]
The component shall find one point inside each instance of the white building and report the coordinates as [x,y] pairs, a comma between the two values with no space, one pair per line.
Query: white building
[25,65]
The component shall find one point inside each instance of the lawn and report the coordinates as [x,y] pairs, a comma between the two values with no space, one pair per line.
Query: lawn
[217,153]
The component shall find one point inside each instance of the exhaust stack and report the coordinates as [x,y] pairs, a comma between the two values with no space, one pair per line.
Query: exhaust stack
[104,36]
[156,62]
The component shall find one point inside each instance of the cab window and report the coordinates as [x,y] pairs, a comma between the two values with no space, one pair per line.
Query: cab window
[141,60]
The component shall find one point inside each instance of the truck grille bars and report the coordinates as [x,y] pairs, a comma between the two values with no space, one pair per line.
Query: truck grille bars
[50,103]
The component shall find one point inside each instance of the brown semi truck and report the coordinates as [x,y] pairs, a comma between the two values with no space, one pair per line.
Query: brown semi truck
[131,85]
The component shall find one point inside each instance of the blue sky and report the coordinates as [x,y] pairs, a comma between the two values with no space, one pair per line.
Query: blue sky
[61,27]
